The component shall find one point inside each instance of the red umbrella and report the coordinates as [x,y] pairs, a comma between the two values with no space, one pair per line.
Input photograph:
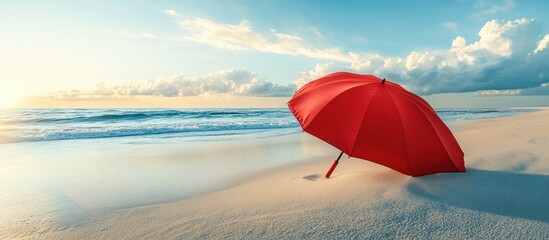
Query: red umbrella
[377,120]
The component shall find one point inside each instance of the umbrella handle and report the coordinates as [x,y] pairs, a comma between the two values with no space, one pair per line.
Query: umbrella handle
[334,165]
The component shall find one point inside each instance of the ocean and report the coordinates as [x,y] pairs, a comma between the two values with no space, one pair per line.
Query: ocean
[172,125]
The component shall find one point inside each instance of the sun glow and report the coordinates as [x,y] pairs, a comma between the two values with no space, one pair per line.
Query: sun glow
[7,100]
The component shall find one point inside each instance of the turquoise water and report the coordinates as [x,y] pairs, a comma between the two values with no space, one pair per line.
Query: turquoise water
[169,125]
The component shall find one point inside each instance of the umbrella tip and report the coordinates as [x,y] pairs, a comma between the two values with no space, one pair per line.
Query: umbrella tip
[383,81]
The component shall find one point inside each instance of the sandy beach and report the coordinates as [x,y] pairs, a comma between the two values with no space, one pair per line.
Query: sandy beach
[504,193]
[226,120]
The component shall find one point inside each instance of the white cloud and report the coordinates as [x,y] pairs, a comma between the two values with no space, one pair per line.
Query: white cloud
[319,71]
[509,55]
[231,81]
[501,59]
[498,93]
[491,7]
[170,12]
[543,89]
[542,44]
[449,25]
[241,36]
[317,32]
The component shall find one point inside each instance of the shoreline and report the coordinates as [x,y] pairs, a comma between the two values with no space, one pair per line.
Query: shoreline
[23,129]
[294,199]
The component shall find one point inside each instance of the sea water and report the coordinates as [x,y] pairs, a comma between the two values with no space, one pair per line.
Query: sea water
[171,125]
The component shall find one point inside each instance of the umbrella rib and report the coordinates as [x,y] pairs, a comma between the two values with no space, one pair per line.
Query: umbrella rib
[356,78]
[324,84]
[323,107]
[304,106]
[363,116]
[403,133]
[442,142]
[305,93]
[422,109]
[299,110]
[415,98]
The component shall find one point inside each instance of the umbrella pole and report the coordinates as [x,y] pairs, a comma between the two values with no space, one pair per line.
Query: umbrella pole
[334,165]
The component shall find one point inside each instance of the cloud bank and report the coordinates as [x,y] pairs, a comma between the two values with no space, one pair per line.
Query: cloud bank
[508,55]
[509,58]
[232,81]
[543,89]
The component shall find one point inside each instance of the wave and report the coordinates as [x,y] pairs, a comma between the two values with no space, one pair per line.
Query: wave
[453,114]
[75,116]
[125,131]
[31,125]
[468,110]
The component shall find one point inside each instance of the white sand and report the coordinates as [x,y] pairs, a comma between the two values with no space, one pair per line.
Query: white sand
[504,194]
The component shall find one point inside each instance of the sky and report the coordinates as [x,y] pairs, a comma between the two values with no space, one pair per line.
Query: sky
[462,53]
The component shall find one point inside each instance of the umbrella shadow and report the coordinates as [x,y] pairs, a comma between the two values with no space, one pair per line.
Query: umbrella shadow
[317,177]
[313,177]
[503,193]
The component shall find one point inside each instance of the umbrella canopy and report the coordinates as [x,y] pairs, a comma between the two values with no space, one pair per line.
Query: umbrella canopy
[377,120]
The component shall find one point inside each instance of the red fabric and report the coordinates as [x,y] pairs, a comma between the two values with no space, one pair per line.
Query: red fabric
[379,122]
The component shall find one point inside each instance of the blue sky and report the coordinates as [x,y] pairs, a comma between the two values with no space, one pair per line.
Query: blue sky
[109,50]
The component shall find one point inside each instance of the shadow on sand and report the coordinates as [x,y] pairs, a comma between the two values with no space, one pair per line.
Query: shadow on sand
[503,193]
[313,177]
